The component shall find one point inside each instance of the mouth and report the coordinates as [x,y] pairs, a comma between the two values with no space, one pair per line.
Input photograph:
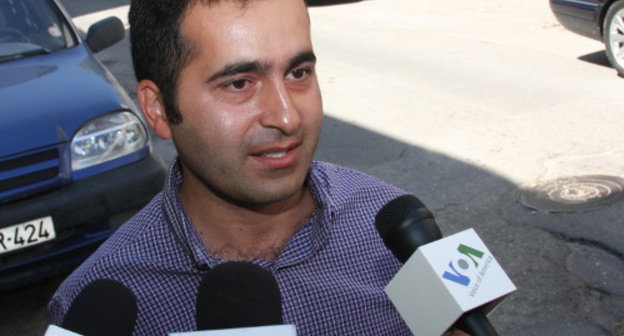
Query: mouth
[278,157]
[275,155]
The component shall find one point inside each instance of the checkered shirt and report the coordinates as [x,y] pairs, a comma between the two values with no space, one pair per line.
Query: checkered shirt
[331,273]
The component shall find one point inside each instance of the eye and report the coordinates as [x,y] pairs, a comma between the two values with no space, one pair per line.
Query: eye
[300,73]
[238,84]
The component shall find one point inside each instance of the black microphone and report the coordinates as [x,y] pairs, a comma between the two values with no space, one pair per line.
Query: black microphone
[404,225]
[236,295]
[103,308]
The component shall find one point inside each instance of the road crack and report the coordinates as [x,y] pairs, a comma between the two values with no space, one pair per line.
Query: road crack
[586,242]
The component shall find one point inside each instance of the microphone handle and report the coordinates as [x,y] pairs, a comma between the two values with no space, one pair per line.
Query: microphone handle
[475,323]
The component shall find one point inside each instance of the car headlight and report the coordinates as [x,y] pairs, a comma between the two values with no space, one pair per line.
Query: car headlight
[107,138]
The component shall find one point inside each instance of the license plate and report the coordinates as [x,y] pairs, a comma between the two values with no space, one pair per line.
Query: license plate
[26,234]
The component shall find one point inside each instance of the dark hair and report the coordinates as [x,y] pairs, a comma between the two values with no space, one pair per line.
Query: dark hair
[159,51]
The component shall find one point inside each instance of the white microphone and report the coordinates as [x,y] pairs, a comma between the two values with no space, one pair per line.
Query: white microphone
[444,282]
[58,331]
[278,330]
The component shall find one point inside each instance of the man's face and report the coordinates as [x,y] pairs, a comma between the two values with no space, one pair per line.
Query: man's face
[249,99]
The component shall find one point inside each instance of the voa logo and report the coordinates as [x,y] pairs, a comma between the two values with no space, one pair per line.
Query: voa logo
[453,274]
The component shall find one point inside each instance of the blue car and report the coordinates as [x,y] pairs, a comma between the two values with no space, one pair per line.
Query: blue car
[602,20]
[75,156]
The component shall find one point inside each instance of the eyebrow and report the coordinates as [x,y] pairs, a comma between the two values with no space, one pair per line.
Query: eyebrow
[242,67]
[306,56]
[260,67]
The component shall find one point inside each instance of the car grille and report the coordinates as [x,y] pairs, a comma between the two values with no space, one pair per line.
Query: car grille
[29,170]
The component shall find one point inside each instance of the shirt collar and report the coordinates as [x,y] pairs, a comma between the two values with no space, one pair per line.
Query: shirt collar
[303,245]
[179,221]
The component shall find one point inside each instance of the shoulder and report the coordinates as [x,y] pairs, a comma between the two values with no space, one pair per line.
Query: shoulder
[355,199]
[346,187]
[137,236]
[121,257]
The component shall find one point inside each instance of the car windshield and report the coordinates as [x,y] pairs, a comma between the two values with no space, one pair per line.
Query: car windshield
[31,27]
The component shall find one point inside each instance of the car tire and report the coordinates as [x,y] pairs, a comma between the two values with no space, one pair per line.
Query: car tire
[613,35]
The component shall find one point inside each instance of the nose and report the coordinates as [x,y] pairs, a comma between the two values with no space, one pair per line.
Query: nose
[279,110]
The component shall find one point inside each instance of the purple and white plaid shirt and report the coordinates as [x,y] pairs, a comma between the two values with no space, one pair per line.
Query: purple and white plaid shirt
[331,273]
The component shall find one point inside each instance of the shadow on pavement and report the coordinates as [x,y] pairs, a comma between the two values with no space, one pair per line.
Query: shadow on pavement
[598,58]
[562,264]
[22,311]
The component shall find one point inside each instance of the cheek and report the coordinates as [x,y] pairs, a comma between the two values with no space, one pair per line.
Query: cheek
[315,125]
[311,108]
[231,126]
[209,121]
[212,127]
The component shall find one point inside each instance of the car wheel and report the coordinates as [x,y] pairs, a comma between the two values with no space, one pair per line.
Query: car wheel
[613,33]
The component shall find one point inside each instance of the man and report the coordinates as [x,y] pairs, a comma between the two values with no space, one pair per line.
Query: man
[234,84]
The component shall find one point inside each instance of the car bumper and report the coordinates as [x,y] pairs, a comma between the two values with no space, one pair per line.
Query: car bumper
[85,213]
[578,16]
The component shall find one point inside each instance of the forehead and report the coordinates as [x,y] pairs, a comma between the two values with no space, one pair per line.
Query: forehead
[259,30]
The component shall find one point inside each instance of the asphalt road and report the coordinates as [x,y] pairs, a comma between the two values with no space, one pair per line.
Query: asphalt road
[465,103]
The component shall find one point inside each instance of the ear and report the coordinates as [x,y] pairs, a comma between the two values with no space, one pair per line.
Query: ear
[151,102]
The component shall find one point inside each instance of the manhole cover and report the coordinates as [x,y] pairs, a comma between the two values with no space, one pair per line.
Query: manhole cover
[574,194]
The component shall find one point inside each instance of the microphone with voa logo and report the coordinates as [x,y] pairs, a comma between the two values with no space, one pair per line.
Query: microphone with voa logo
[451,291]
[239,298]
[103,308]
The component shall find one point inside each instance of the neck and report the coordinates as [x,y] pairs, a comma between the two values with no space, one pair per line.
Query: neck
[237,232]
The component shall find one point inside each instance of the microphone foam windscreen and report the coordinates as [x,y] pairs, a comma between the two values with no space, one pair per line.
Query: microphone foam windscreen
[103,308]
[238,294]
[397,211]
